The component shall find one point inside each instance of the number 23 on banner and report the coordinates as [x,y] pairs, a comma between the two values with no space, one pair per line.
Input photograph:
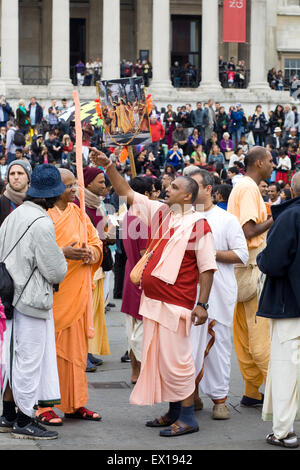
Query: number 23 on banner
[236,3]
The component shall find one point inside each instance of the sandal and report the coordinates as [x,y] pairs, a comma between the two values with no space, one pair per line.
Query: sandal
[290,440]
[161,422]
[49,417]
[84,413]
[176,430]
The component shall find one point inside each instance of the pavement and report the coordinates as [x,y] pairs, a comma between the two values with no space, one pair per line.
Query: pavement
[123,425]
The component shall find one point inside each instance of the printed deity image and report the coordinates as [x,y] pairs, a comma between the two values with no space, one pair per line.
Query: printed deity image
[124,111]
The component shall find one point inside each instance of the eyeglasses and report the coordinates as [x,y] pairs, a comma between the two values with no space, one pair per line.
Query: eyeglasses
[70,186]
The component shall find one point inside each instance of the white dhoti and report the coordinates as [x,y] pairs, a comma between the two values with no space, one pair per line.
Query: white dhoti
[282,394]
[106,286]
[134,331]
[29,362]
[217,364]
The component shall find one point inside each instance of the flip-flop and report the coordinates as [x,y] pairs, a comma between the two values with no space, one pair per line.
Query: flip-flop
[175,430]
[160,422]
[84,413]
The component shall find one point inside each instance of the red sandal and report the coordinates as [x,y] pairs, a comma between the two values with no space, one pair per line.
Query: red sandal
[84,413]
[49,417]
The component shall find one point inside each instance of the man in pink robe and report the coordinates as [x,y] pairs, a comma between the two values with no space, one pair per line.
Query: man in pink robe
[184,255]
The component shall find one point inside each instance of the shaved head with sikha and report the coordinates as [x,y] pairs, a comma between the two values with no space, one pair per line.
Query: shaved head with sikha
[66,174]
[69,181]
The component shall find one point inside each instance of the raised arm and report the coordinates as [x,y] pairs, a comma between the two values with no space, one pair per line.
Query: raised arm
[120,186]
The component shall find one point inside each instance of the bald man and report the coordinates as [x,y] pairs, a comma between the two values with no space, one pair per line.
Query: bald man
[70,309]
[251,335]
[280,301]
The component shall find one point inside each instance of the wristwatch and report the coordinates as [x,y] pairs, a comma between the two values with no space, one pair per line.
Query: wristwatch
[205,306]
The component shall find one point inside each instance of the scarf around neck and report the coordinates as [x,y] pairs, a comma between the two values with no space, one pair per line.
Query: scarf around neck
[92,201]
[15,196]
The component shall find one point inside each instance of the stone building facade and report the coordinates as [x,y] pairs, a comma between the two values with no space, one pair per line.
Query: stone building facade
[44,39]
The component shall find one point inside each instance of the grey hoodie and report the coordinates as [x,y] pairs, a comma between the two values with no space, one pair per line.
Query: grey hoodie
[37,249]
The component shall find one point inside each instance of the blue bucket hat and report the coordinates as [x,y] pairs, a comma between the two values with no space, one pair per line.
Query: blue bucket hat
[45,182]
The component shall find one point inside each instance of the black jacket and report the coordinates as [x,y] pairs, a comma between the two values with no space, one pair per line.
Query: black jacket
[280,261]
[4,208]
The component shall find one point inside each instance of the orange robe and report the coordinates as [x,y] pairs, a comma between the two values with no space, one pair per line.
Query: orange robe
[70,308]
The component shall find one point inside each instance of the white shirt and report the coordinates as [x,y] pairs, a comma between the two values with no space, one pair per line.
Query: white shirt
[228,235]
[235,158]
[3,171]
[236,179]
[284,163]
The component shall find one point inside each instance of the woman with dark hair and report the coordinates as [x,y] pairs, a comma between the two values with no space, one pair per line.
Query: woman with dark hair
[22,117]
[259,122]
[169,169]
[278,117]
[272,80]
[223,121]
[285,195]
[147,72]
[170,125]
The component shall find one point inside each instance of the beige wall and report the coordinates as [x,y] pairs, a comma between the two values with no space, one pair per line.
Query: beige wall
[283,30]
[46,36]
[30,35]
[128,33]
[94,31]
[144,26]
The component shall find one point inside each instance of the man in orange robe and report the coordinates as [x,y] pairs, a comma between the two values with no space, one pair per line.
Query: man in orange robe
[71,305]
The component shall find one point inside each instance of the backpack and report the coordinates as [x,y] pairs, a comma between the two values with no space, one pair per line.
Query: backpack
[7,283]
[19,138]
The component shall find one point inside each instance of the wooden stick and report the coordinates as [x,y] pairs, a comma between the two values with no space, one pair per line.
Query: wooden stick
[79,168]
[132,162]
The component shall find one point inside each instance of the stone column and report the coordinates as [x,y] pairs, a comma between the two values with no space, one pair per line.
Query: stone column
[111,40]
[61,47]
[210,45]
[258,72]
[161,59]
[9,44]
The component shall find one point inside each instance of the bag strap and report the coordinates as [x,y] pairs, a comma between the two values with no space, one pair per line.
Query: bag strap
[42,217]
[156,245]
[25,286]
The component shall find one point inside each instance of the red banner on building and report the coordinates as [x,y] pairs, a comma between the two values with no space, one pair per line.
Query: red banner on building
[234,20]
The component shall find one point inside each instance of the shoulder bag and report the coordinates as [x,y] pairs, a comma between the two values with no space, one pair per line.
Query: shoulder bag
[137,272]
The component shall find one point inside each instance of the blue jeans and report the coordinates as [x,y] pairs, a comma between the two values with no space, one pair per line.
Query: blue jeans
[236,137]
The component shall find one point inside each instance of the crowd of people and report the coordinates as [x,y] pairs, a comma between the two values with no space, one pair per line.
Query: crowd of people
[241,175]
[276,79]
[87,74]
[278,82]
[231,74]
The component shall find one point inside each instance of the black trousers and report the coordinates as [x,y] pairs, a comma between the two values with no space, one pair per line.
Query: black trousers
[119,271]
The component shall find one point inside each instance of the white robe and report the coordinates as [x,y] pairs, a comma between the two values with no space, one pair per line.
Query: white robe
[228,235]
[282,392]
[31,369]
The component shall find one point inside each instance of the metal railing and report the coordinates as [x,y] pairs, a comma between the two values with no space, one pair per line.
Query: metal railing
[35,74]
[183,77]
[85,79]
[238,80]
